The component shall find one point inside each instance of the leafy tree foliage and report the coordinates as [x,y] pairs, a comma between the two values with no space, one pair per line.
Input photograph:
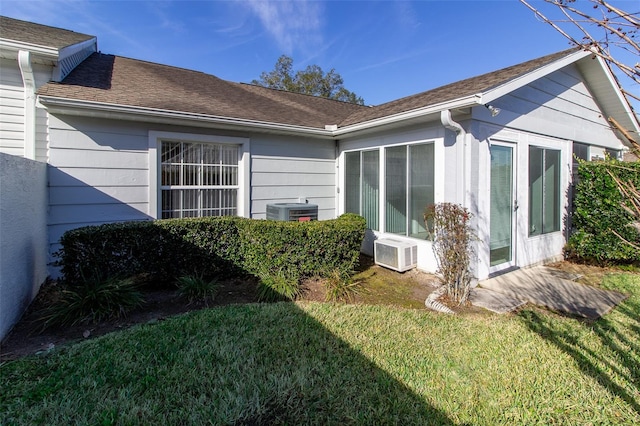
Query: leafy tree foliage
[310,81]
[605,218]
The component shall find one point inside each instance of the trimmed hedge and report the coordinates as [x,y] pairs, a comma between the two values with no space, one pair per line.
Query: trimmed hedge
[597,210]
[167,249]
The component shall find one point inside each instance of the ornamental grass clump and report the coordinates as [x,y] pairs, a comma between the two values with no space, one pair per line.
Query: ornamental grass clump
[341,287]
[278,284]
[453,240]
[196,288]
[93,299]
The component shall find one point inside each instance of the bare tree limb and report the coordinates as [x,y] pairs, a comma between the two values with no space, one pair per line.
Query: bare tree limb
[618,28]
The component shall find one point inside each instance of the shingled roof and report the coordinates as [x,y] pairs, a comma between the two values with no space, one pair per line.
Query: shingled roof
[457,90]
[116,80]
[122,81]
[37,34]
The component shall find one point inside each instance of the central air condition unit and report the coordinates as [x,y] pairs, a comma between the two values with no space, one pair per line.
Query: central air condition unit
[292,212]
[395,254]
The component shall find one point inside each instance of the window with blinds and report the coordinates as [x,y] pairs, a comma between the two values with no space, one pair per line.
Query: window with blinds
[198,179]
[408,186]
[362,186]
[544,190]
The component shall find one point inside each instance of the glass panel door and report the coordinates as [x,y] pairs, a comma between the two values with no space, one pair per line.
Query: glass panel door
[501,206]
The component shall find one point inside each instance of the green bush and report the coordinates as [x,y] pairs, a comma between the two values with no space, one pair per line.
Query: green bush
[303,248]
[598,211]
[92,300]
[214,246]
[163,249]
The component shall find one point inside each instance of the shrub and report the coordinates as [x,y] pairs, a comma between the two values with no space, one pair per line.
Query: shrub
[92,300]
[453,247]
[598,209]
[163,249]
[195,288]
[302,249]
[167,249]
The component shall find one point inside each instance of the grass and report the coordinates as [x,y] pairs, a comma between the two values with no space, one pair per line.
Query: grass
[322,363]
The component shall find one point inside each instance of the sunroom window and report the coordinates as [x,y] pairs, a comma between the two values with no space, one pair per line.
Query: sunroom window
[409,188]
[362,188]
[198,179]
[544,190]
[407,183]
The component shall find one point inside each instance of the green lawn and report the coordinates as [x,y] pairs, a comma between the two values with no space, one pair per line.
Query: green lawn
[323,363]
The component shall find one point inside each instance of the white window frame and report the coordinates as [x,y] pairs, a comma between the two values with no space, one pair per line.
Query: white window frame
[157,137]
[437,181]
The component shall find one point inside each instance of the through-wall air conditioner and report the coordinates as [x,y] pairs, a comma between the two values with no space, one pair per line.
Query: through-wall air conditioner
[395,254]
[292,212]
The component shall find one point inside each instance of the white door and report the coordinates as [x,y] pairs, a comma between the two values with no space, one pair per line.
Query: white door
[503,205]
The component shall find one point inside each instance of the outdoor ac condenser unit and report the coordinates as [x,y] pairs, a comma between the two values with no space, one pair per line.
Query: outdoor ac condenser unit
[395,254]
[292,212]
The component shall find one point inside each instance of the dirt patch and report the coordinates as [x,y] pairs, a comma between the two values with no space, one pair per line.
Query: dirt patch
[27,336]
[379,286]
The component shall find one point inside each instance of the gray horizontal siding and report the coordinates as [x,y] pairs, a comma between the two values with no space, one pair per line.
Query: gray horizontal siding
[559,105]
[289,169]
[99,173]
[11,108]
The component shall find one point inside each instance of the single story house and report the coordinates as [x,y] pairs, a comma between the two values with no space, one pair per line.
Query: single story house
[124,139]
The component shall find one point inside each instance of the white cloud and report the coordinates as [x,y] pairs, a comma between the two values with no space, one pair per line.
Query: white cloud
[393,59]
[293,24]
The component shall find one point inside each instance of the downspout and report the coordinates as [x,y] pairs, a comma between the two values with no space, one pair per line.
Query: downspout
[26,70]
[461,138]
[447,122]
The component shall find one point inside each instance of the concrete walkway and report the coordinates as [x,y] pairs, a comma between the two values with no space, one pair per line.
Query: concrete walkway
[548,287]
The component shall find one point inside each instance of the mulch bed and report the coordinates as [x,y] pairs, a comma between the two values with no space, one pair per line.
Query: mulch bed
[28,338]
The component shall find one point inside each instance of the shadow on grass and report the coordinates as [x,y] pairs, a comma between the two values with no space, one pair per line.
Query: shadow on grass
[255,364]
[619,355]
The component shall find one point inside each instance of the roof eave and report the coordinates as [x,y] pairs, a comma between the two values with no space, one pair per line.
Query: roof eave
[43,51]
[135,113]
[627,116]
[464,102]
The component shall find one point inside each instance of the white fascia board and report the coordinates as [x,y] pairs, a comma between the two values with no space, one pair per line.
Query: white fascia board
[135,113]
[75,48]
[518,82]
[624,102]
[42,51]
[465,102]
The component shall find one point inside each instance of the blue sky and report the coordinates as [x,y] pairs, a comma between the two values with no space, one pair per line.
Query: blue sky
[384,50]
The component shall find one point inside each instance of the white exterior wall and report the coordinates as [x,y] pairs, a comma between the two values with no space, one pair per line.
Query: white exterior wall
[528,250]
[552,112]
[100,171]
[12,109]
[23,235]
[446,172]
[559,105]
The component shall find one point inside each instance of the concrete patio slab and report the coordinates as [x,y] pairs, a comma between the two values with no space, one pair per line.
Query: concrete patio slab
[494,301]
[547,287]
